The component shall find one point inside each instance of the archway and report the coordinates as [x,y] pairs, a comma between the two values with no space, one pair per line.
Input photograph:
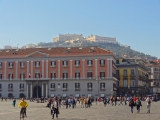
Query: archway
[0,95]
[21,95]
[37,91]
[10,95]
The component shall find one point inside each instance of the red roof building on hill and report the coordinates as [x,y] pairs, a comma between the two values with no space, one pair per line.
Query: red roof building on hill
[75,71]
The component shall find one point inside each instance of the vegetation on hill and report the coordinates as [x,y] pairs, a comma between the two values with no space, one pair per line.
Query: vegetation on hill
[117,49]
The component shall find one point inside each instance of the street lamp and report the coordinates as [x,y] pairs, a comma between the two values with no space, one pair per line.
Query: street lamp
[98,84]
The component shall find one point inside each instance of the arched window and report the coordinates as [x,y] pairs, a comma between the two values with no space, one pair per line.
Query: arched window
[21,95]
[10,95]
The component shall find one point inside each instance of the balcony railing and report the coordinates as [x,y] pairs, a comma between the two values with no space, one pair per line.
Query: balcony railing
[52,89]
[89,89]
[22,66]
[77,89]
[21,89]
[10,66]
[65,89]
[10,89]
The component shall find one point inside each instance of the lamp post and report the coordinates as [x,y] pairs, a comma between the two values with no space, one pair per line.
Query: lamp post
[98,84]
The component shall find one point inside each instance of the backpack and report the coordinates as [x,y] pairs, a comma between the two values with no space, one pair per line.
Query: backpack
[138,102]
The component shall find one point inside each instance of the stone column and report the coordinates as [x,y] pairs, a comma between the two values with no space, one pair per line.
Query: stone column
[31,69]
[27,69]
[58,69]
[31,91]
[42,68]
[46,90]
[96,73]
[5,70]
[83,68]
[71,69]
[42,90]
[16,69]
[27,91]
[46,68]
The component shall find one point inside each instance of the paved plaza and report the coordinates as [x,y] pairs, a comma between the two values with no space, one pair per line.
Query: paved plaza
[38,111]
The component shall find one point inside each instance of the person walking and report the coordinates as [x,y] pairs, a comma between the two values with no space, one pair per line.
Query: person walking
[148,100]
[131,105]
[55,108]
[82,102]
[138,104]
[14,102]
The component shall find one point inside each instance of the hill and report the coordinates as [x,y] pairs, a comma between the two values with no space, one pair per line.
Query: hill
[118,49]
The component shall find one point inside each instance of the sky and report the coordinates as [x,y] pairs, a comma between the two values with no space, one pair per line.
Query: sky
[135,23]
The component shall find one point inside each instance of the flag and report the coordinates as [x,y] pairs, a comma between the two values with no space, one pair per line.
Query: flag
[29,76]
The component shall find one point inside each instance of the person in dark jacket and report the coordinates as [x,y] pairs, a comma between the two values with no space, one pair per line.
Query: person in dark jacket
[66,103]
[115,100]
[138,104]
[131,104]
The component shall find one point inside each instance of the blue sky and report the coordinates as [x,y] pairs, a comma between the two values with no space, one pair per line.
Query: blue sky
[133,22]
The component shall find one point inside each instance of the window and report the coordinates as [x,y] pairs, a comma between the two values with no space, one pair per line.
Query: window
[77,85]
[89,75]
[89,85]
[21,86]
[22,64]
[10,86]
[77,63]
[0,65]
[53,75]
[132,72]
[37,75]
[10,76]
[102,62]
[37,64]
[10,64]
[52,85]
[118,83]
[125,83]
[125,72]
[65,75]
[102,74]
[53,63]
[117,72]
[102,86]
[22,76]
[65,63]
[0,76]
[89,62]
[77,75]
[0,86]
[132,83]
[65,85]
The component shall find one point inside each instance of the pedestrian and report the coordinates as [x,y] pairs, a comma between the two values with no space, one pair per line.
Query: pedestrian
[55,108]
[82,102]
[138,104]
[131,105]
[148,100]
[14,102]
[104,102]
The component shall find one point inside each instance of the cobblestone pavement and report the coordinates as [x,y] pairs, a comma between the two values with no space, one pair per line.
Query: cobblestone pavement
[38,111]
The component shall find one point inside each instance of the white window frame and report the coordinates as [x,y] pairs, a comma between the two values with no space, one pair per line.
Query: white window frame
[77,62]
[64,63]
[89,62]
[77,75]
[53,63]
[37,64]
[102,63]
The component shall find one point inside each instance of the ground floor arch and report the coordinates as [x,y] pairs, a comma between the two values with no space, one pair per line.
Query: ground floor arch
[21,95]
[37,92]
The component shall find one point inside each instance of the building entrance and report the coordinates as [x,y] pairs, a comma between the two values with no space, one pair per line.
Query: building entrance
[37,92]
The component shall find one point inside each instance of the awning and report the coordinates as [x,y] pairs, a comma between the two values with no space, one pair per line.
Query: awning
[102,95]
[89,95]
[52,95]
[64,95]
[77,95]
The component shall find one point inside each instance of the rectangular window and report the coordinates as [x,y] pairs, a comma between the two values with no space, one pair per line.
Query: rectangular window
[21,86]
[10,76]
[89,85]
[125,72]
[37,75]
[102,85]
[22,64]
[0,65]
[65,85]
[53,75]
[77,85]
[37,63]
[132,72]
[0,86]
[65,75]
[0,76]
[102,62]
[117,72]
[89,62]
[77,63]
[89,75]
[77,75]
[102,74]
[125,83]
[10,86]
[22,76]
[118,83]
[52,85]
[132,83]
[53,63]
[10,64]
[65,63]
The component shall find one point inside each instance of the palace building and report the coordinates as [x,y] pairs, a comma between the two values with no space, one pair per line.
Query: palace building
[65,72]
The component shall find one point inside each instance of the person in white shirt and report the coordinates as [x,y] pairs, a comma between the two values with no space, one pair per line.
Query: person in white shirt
[148,100]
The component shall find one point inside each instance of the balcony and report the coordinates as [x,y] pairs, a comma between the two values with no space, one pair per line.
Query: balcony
[21,89]
[89,65]
[77,89]
[22,66]
[52,89]
[90,89]
[10,89]
[125,75]
[37,66]
[53,66]
[132,75]
[65,66]
[102,65]
[65,89]
[77,65]
[102,89]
